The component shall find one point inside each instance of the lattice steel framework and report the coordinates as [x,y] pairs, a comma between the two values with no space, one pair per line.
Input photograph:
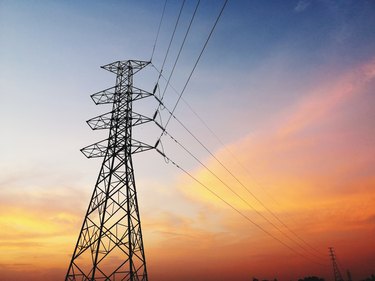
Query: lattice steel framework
[110,245]
[336,270]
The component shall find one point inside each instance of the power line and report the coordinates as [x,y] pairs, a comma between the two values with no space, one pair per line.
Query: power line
[245,169]
[235,209]
[171,40]
[238,195]
[226,185]
[244,186]
[157,35]
[171,114]
[196,63]
[240,182]
[182,45]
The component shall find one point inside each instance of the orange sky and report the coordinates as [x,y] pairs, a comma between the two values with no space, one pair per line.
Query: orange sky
[317,161]
[318,166]
[292,98]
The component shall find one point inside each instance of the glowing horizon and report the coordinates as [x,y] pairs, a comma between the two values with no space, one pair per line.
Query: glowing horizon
[287,87]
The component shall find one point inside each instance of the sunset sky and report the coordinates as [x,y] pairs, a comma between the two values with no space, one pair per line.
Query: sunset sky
[286,91]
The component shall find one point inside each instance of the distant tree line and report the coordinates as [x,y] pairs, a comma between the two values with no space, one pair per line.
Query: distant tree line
[308,278]
[311,278]
[315,278]
[371,278]
[256,279]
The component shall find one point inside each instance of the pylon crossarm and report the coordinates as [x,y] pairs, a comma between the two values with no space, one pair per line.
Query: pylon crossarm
[112,67]
[95,150]
[107,96]
[99,149]
[140,94]
[138,146]
[104,97]
[139,119]
[100,122]
[117,66]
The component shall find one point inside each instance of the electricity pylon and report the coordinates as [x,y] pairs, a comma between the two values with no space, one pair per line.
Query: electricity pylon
[336,270]
[110,245]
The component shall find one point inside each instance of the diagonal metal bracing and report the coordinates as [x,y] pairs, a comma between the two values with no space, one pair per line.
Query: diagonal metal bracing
[110,243]
[336,271]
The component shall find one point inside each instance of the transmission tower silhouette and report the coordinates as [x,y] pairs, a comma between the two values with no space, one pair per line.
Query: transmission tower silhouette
[336,270]
[110,245]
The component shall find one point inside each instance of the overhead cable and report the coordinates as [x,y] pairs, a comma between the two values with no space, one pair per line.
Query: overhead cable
[157,34]
[231,173]
[171,40]
[179,52]
[238,195]
[196,62]
[236,209]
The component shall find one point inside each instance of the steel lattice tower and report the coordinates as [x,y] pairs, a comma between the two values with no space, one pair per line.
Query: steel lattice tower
[110,245]
[336,270]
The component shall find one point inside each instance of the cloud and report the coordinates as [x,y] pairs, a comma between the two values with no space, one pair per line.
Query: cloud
[38,230]
[301,6]
[322,184]
[322,101]
[316,162]
[311,138]
[370,220]
[19,272]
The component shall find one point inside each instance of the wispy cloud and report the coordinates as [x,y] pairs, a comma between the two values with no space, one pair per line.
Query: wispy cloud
[322,101]
[38,230]
[313,161]
[301,6]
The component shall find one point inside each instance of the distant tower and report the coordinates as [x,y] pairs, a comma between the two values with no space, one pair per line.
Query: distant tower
[336,270]
[349,275]
[110,245]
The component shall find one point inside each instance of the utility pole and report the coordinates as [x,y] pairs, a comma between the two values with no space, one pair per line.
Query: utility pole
[336,270]
[110,245]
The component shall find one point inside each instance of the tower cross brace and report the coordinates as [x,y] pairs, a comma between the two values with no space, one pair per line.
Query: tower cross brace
[110,243]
